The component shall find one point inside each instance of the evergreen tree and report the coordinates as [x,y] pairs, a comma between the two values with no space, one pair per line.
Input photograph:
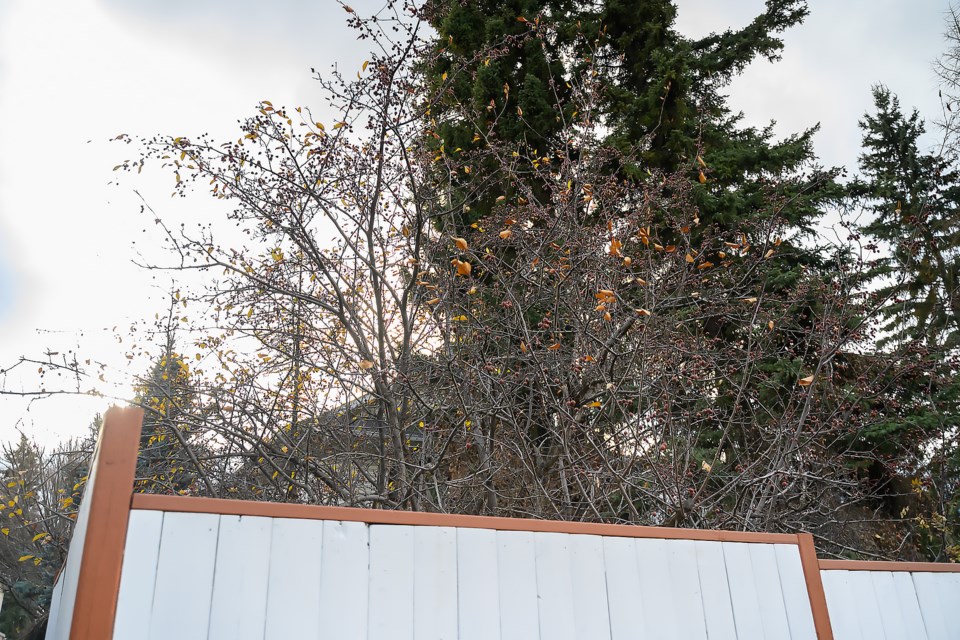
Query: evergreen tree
[509,72]
[913,196]
[914,199]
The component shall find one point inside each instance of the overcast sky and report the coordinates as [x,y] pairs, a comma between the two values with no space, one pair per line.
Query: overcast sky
[74,74]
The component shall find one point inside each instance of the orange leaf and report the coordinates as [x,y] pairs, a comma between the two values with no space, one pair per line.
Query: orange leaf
[366,364]
[463,268]
[805,382]
[461,244]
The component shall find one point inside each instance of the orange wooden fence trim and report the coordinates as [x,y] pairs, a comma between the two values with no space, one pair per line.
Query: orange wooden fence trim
[880,565]
[102,554]
[186,504]
[818,599]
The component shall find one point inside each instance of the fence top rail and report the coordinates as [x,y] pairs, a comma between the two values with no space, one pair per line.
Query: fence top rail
[882,565]
[185,504]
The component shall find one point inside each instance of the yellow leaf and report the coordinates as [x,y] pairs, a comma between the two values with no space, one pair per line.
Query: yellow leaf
[701,162]
[365,63]
[749,300]
[594,404]
[706,466]
[5,531]
[770,325]
[40,535]
[339,125]
[460,318]
[444,77]
[805,382]
[768,253]
[703,178]
[366,364]
[25,558]
[461,244]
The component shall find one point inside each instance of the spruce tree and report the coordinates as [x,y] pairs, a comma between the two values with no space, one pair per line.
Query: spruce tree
[501,79]
[913,197]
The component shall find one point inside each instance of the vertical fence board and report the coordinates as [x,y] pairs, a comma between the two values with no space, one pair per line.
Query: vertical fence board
[478,598]
[628,611]
[435,583]
[934,617]
[390,608]
[715,591]
[517,581]
[843,605]
[184,587]
[54,616]
[555,586]
[885,593]
[860,585]
[796,599]
[686,591]
[766,576]
[238,609]
[344,585]
[293,585]
[591,612]
[139,575]
[656,586]
[909,606]
[743,590]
